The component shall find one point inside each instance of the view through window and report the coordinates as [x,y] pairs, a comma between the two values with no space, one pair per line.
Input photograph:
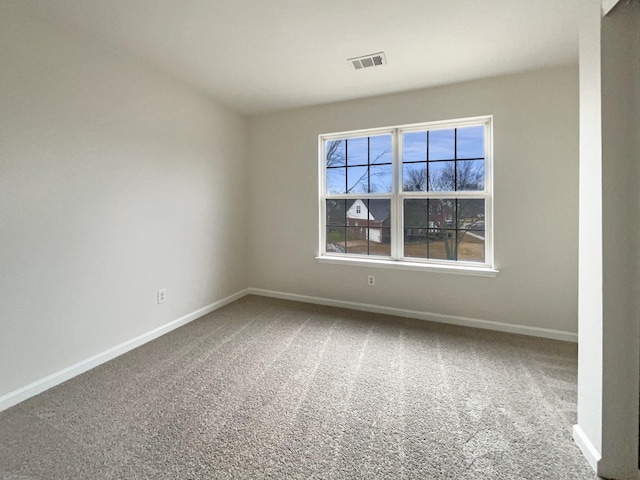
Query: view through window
[418,193]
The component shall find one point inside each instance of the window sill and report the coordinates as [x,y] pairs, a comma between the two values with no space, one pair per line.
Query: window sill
[404,265]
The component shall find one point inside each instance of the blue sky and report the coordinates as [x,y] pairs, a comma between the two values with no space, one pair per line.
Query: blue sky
[441,146]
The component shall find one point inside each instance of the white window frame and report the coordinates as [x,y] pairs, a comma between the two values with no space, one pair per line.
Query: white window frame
[397,197]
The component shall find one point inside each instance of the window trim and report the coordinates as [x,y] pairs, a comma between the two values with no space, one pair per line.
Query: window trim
[397,258]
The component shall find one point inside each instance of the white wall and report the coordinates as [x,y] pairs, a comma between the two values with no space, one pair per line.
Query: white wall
[621,240]
[589,427]
[536,201]
[609,319]
[114,182]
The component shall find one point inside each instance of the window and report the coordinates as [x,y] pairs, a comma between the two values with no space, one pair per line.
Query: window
[413,194]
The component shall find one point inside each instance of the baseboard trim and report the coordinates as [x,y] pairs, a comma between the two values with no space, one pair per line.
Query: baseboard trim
[588,449]
[39,386]
[432,317]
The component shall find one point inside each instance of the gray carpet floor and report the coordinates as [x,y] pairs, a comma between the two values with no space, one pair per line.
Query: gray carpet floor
[266,388]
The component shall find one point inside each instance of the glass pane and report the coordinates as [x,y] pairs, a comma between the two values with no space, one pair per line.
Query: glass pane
[442,213]
[336,181]
[380,147]
[357,210]
[416,214]
[471,246]
[358,151]
[414,146]
[442,245]
[415,242]
[471,142]
[471,214]
[357,239]
[381,179]
[380,211]
[380,243]
[470,175]
[336,213]
[441,176]
[442,144]
[368,226]
[357,179]
[335,240]
[414,177]
[336,153]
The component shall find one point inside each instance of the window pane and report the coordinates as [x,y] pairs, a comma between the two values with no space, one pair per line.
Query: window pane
[357,179]
[336,213]
[442,245]
[415,242]
[470,175]
[471,214]
[335,240]
[414,146]
[471,142]
[336,153]
[442,213]
[357,240]
[414,177]
[416,214]
[381,179]
[379,212]
[357,151]
[356,210]
[368,226]
[336,181]
[380,244]
[441,176]
[471,246]
[442,144]
[380,149]
[416,227]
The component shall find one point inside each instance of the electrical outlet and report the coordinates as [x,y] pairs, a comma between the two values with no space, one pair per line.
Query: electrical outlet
[162,295]
[371,280]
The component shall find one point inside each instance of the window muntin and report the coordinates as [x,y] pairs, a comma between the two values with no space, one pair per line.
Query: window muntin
[433,180]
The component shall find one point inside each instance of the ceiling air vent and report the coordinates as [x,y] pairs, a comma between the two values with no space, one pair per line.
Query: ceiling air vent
[371,60]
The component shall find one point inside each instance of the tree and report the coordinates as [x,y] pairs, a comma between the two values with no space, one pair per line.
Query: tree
[336,160]
[415,179]
[336,153]
[464,213]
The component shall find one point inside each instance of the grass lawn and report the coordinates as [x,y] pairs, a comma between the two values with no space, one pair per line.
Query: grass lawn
[470,249]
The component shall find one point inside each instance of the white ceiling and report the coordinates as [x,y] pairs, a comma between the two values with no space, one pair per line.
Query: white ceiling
[266,55]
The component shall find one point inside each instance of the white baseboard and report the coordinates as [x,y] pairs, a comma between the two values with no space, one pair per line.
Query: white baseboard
[39,386]
[17,396]
[588,449]
[432,317]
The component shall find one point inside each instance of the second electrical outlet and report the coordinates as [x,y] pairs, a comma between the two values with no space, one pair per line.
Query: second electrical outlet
[371,280]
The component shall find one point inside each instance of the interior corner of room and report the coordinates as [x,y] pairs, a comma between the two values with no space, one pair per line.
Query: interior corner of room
[139,193]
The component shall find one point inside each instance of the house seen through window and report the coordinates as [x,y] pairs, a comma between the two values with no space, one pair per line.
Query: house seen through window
[417,193]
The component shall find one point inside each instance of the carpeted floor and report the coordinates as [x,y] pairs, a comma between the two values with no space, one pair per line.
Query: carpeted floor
[267,388]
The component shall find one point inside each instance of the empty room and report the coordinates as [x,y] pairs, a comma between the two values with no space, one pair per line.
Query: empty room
[295,239]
